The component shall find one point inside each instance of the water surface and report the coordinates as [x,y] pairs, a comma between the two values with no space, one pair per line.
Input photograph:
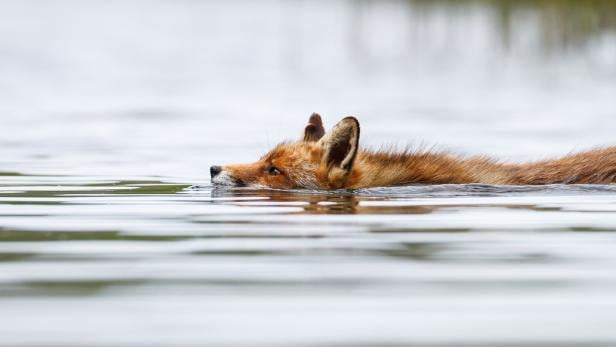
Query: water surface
[111,262]
[112,112]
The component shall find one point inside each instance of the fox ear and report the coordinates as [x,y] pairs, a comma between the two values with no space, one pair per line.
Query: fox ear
[314,130]
[341,145]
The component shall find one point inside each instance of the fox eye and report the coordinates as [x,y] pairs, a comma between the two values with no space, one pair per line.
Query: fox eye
[273,171]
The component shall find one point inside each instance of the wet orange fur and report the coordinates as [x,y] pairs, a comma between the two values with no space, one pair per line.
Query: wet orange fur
[301,165]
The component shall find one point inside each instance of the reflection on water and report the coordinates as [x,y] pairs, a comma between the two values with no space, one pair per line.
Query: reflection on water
[561,24]
[135,255]
[112,112]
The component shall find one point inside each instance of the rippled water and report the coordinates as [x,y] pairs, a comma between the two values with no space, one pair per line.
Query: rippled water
[112,112]
[105,262]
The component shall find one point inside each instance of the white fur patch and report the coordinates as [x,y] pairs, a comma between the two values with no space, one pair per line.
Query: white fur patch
[223,179]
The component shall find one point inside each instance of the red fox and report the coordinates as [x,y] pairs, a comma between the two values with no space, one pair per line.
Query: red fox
[334,161]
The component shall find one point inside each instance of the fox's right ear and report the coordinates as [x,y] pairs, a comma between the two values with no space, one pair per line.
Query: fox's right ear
[341,146]
[314,130]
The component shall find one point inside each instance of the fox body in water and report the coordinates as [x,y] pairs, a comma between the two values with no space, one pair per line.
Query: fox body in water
[334,161]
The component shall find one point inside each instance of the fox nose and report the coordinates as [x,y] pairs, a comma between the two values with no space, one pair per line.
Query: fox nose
[215,170]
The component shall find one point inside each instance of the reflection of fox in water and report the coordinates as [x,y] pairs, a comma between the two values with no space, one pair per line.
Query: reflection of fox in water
[334,160]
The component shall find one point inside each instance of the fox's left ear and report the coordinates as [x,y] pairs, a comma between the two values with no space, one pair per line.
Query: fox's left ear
[314,130]
[340,147]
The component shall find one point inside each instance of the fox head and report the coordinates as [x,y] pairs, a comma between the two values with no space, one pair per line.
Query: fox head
[318,161]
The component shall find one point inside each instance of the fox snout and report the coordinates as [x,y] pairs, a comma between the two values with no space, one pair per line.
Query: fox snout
[215,170]
[222,177]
